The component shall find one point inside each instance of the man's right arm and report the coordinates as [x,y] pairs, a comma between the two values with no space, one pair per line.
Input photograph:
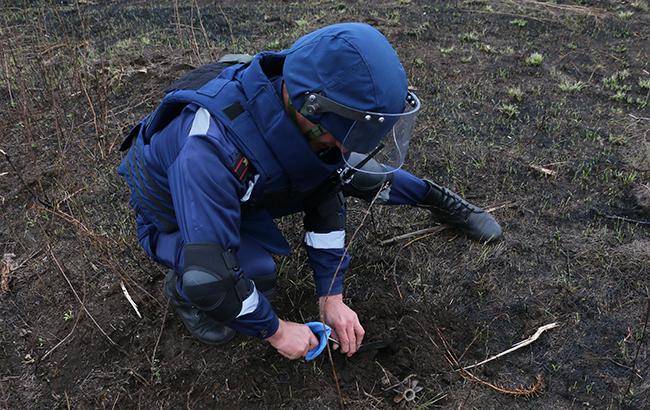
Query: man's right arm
[206,197]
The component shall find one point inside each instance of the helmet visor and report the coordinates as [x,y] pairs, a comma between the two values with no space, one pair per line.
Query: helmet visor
[370,129]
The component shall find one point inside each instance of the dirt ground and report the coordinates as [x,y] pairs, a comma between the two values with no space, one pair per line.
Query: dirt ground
[558,142]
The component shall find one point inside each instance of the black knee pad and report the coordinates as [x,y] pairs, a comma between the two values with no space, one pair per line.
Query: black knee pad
[212,281]
[368,180]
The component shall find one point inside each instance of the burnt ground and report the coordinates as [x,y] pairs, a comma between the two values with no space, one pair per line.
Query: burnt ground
[560,145]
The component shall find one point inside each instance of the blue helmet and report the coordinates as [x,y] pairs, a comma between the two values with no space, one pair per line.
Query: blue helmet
[348,78]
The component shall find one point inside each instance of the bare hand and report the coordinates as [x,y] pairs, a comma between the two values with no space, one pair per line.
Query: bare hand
[293,340]
[344,322]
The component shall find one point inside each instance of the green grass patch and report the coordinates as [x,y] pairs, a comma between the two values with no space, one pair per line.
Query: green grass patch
[509,110]
[535,59]
[447,50]
[519,22]
[572,87]
[515,93]
[469,37]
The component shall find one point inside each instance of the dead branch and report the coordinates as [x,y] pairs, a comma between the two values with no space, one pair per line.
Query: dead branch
[496,207]
[336,272]
[162,326]
[516,346]
[225,17]
[638,347]
[523,391]
[83,306]
[621,218]
[7,265]
[425,231]
[436,229]
[543,170]
[128,298]
[74,326]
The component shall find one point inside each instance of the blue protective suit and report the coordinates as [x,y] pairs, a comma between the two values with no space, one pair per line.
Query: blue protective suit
[217,164]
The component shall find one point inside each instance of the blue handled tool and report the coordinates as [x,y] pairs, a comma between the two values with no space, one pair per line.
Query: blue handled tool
[322,332]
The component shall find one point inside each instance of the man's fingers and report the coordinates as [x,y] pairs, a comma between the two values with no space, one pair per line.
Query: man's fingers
[335,336]
[313,342]
[360,332]
[353,342]
[344,340]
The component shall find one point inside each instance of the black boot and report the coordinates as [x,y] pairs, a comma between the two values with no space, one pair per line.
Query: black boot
[451,209]
[199,324]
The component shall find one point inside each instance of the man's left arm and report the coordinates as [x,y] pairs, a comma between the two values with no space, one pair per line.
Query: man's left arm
[324,224]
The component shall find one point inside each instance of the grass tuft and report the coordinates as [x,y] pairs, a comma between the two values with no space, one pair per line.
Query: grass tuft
[572,87]
[535,59]
[515,93]
[519,22]
[469,37]
[509,110]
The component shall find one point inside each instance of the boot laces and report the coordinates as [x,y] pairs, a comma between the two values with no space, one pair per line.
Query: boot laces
[454,205]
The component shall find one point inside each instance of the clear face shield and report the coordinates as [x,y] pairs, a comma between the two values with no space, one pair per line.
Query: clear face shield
[369,130]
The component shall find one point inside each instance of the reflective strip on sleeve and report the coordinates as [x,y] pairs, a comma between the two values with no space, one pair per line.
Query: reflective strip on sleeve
[201,122]
[250,303]
[331,240]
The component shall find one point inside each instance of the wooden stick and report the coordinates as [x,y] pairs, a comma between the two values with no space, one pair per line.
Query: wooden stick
[543,170]
[436,229]
[516,345]
[506,205]
[432,230]
[622,218]
[128,297]
[83,306]
[74,326]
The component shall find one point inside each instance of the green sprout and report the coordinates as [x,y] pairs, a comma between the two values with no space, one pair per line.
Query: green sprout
[471,37]
[447,50]
[509,110]
[519,22]
[535,59]
[67,316]
[572,87]
[515,93]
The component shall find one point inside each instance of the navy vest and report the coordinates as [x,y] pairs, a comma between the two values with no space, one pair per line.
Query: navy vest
[245,102]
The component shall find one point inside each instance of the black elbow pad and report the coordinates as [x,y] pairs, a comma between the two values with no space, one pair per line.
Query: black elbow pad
[212,281]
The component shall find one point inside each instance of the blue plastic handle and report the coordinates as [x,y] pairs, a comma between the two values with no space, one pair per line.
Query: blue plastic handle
[323,332]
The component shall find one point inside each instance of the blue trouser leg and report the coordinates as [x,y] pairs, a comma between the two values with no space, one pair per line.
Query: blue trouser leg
[166,249]
[406,189]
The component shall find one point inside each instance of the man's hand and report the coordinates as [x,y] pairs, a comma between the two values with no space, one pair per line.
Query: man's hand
[344,322]
[293,340]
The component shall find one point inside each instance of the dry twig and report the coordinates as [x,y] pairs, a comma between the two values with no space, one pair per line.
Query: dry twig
[621,218]
[128,297]
[516,346]
[83,306]
[7,265]
[162,326]
[638,347]
[431,231]
[543,170]
[523,391]
[49,352]
[336,272]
